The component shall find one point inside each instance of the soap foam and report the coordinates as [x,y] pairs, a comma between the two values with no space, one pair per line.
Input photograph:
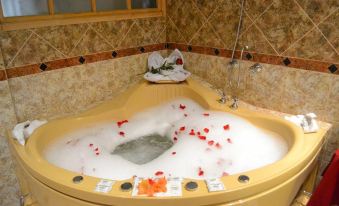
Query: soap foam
[241,147]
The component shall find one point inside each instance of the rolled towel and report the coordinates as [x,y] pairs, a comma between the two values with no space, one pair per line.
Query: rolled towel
[24,130]
[307,122]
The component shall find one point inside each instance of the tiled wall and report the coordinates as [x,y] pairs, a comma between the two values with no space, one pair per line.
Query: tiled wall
[306,29]
[32,46]
[65,91]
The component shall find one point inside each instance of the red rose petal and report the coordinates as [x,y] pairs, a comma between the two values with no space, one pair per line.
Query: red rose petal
[229,140]
[211,142]
[90,145]
[173,153]
[122,134]
[175,139]
[202,137]
[176,133]
[120,123]
[97,153]
[185,115]
[226,127]
[218,146]
[182,128]
[192,132]
[200,172]
[158,173]
[206,114]
[198,133]
[206,130]
[225,174]
[96,149]
[181,106]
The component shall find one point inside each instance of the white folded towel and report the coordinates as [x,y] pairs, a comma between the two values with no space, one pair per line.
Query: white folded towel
[177,74]
[307,122]
[24,130]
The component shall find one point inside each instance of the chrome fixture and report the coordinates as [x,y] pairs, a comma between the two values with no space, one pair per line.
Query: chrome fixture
[191,186]
[243,179]
[255,68]
[223,98]
[78,179]
[233,66]
[235,103]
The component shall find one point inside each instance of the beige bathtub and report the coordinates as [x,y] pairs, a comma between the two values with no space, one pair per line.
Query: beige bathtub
[277,184]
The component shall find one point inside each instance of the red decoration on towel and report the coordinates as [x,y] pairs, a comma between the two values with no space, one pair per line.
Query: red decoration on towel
[226,127]
[122,134]
[181,106]
[179,61]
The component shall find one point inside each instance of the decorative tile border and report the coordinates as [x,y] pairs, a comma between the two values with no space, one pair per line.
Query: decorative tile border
[74,61]
[313,65]
[2,75]
[306,64]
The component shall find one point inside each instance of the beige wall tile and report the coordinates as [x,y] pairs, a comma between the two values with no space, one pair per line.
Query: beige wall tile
[69,90]
[8,186]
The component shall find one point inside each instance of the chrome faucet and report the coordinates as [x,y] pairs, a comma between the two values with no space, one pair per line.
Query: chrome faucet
[235,103]
[223,98]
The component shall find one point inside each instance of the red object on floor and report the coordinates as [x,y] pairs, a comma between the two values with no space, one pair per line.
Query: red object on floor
[327,193]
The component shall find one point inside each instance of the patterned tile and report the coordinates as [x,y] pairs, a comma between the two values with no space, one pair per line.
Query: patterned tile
[185,16]
[35,51]
[256,41]
[284,23]
[332,105]
[256,7]
[225,22]
[151,28]
[136,37]
[318,9]
[265,89]
[113,31]
[313,46]
[172,33]
[207,37]
[306,91]
[64,38]
[11,42]
[8,187]
[66,91]
[90,43]
[207,6]
[330,28]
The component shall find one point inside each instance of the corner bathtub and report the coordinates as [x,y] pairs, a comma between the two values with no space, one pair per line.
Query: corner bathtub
[276,184]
